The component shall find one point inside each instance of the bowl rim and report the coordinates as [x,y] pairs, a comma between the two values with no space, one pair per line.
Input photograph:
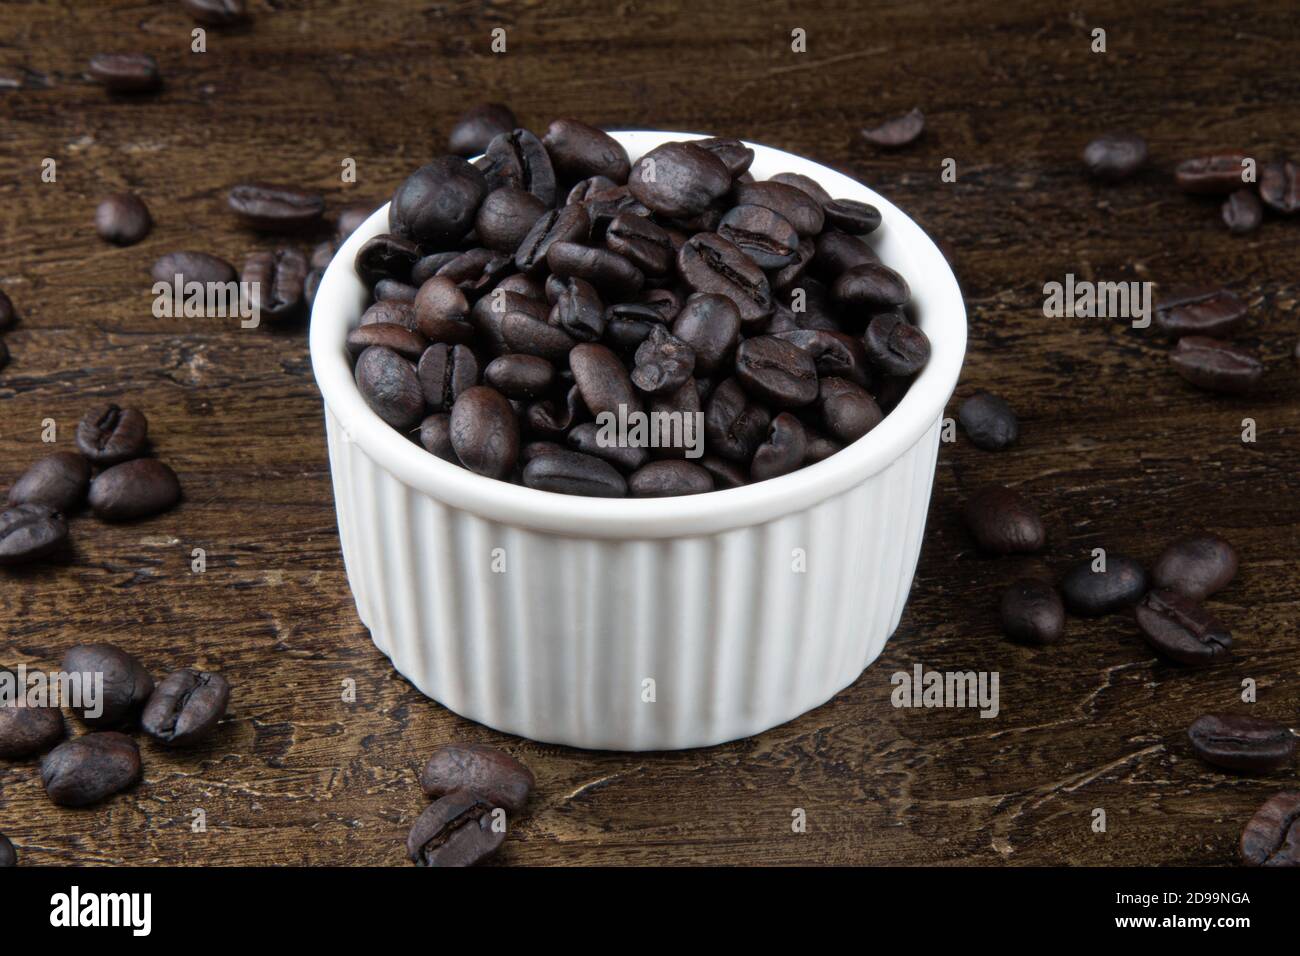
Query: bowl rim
[938,306]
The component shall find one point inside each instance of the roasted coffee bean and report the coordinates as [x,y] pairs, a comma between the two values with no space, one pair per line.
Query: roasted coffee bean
[126,683]
[569,224]
[445,372]
[1238,742]
[776,372]
[679,180]
[587,189]
[833,353]
[519,376]
[7,314]
[809,186]
[735,155]
[847,410]
[573,473]
[454,831]
[607,271]
[820,447]
[784,450]
[186,707]
[521,285]
[1032,612]
[8,855]
[1242,212]
[553,419]
[762,234]
[58,481]
[642,242]
[87,769]
[134,489]
[1279,186]
[494,775]
[663,363]
[435,437]
[426,267]
[1216,366]
[682,405]
[110,434]
[1092,593]
[216,13]
[1196,566]
[603,207]
[1181,629]
[442,312]
[505,218]
[435,206]
[276,208]
[29,533]
[709,263]
[478,126]
[853,217]
[663,479]
[734,426]
[1115,156]
[989,421]
[476,271]
[872,285]
[602,380]
[587,438]
[391,313]
[485,432]
[579,151]
[519,159]
[1272,837]
[125,72]
[524,333]
[1003,521]
[387,257]
[1210,175]
[390,290]
[725,474]
[710,324]
[898,131]
[389,384]
[389,335]
[122,219]
[804,213]
[896,345]
[1199,310]
[26,731]
[578,310]
[835,253]
[276,282]
[192,267]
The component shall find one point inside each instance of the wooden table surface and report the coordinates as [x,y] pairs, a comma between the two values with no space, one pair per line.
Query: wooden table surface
[1117,451]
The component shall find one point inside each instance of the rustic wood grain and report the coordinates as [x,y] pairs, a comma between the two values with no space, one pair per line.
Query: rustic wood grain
[1117,450]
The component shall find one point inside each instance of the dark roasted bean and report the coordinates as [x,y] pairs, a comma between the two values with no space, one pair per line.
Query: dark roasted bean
[553,419]
[134,489]
[602,380]
[494,775]
[390,386]
[679,180]
[25,731]
[784,450]
[1211,175]
[445,372]
[519,376]
[661,479]
[186,707]
[895,345]
[389,335]
[1238,742]
[847,410]
[1242,212]
[276,208]
[573,473]
[853,217]
[58,481]
[1216,366]
[29,533]
[110,434]
[387,257]
[835,253]
[1196,566]
[710,324]
[809,186]
[435,437]
[125,72]
[710,263]
[276,282]
[391,290]
[457,830]
[519,159]
[435,206]
[734,426]
[804,213]
[726,474]
[90,768]
[587,439]
[568,224]
[8,317]
[989,421]
[426,267]
[126,684]
[735,155]
[762,234]
[578,151]
[820,447]
[522,332]
[1198,310]
[1003,521]
[642,242]
[663,363]
[898,131]
[442,312]
[122,219]
[1181,629]
[833,353]
[390,312]
[476,271]
[776,372]
[485,432]
[216,13]
[579,311]
[872,285]
[607,271]
[505,218]
[1279,187]
[1092,593]
[1272,836]
[1115,156]
[1032,612]
[192,267]
[478,126]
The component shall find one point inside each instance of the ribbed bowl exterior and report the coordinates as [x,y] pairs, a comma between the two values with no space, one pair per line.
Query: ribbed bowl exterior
[630,644]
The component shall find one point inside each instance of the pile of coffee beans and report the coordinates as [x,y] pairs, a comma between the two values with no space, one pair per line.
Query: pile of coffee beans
[524,301]
[180,711]
[126,487]
[475,790]
[1272,837]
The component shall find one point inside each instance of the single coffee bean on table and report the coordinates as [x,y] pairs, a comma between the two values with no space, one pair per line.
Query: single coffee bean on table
[1181,629]
[1003,521]
[459,829]
[110,434]
[126,684]
[1211,175]
[216,13]
[276,280]
[989,421]
[494,775]
[1242,212]
[126,72]
[134,489]
[1032,612]
[1092,592]
[29,533]
[1199,310]
[122,219]
[1239,742]
[1215,366]
[1196,566]
[27,731]
[58,481]
[1115,156]
[1272,836]
[90,768]
[276,208]
[1279,187]
[192,267]
[897,132]
[186,707]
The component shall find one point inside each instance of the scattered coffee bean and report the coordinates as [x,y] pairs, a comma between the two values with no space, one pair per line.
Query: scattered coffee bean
[192,267]
[989,421]
[88,769]
[29,533]
[122,219]
[186,707]
[898,131]
[58,481]
[456,830]
[126,684]
[276,208]
[110,434]
[1238,742]
[478,126]
[1199,310]
[495,776]
[1002,521]
[1242,212]
[1115,156]
[1090,593]
[1279,187]
[26,731]
[216,13]
[1211,175]
[134,489]
[125,72]
[1181,629]
[1032,612]
[1272,837]
[1196,566]
[1216,366]
[8,856]
[276,282]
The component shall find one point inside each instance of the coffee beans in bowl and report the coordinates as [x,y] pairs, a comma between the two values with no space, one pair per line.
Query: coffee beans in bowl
[652,328]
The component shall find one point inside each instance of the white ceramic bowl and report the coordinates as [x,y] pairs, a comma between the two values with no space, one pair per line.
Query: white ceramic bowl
[638,624]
